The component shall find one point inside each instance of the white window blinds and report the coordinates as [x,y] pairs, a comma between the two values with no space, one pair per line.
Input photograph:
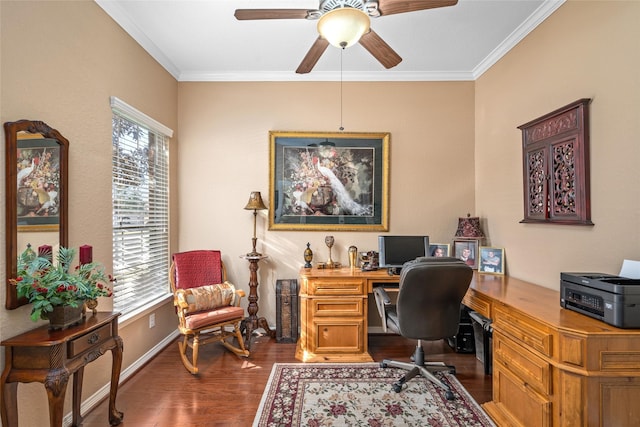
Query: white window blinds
[140,194]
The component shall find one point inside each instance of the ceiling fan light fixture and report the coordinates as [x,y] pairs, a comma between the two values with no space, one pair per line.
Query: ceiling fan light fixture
[344,26]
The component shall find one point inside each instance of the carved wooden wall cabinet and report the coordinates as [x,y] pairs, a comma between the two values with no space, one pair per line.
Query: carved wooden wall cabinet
[555,156]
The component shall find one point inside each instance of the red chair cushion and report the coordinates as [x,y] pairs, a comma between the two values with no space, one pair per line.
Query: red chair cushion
[209,318]
[197,268]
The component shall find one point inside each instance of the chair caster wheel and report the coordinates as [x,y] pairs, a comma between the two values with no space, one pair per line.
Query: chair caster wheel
[383,364]
[449,395]
[397,387]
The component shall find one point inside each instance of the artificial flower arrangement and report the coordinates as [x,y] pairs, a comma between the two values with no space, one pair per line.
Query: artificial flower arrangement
[47,285]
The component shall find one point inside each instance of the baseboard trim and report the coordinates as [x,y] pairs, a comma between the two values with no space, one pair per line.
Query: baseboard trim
[95,399]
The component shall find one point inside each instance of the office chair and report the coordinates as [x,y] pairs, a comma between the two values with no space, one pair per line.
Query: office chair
[428,308]
[208,306]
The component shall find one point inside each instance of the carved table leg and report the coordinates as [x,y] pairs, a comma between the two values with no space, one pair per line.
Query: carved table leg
[115,416]
[56,386]
[77,396]
[9,403]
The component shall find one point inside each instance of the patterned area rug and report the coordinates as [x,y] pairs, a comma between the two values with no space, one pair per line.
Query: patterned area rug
[360,394]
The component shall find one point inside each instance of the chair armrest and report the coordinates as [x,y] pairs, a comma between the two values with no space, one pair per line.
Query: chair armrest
[179,300]
[382,301]
[380,294]
[239,294]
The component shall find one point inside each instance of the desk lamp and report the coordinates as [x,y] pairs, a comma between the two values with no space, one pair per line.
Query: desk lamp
[256,204]
[469,228]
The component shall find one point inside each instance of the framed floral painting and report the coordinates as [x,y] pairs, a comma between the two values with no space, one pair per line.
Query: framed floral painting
[328,181]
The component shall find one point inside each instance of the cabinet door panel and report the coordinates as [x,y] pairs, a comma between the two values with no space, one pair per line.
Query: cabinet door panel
[339,335]
[519,399]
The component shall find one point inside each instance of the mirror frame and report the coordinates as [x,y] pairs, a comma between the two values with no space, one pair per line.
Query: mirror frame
[11,130]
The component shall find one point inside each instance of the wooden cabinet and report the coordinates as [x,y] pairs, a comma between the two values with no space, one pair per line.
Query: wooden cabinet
[333,314]
[555,367]
[555,158]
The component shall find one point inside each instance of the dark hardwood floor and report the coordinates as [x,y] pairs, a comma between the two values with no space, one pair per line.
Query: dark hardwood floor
[228,389]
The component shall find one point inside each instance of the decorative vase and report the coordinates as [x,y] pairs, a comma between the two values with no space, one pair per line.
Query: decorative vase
[64,316]
[308,256]
[92,305]
[329,241]
[353,257]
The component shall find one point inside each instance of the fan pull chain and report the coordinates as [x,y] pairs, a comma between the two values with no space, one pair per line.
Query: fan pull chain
[341,128]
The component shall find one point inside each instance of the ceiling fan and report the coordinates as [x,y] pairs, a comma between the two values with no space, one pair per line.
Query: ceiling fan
[355,20]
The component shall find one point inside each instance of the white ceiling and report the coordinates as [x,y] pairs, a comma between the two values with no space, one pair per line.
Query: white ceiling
[200,40]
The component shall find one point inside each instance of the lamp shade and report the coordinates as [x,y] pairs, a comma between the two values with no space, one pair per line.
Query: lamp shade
[344,26]
[469,227]
[255,202]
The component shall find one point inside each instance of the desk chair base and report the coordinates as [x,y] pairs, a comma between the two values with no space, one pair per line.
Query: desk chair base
[419,366]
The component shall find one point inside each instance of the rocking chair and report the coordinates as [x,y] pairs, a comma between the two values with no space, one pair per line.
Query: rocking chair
[208,306]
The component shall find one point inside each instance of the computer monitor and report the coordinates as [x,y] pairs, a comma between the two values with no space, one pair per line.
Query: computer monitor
[394,251]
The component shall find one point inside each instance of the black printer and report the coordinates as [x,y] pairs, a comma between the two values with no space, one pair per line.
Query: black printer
[613,299]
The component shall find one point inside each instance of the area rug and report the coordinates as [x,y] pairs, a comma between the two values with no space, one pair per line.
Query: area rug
[360,394]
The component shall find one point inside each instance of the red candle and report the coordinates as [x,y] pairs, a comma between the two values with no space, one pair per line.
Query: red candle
[45,251]
[86,254]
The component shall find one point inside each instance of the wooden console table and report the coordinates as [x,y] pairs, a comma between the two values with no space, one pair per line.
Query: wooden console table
[552,366]
[50,357]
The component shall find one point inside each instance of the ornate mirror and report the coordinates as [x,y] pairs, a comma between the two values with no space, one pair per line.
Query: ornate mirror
[36,179]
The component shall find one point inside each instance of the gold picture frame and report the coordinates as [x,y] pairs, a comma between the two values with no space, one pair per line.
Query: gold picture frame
[491,260]
[329,181]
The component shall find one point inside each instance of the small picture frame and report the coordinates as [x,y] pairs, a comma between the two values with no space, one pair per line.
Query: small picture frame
[491,260]
[439,250]
[466,250]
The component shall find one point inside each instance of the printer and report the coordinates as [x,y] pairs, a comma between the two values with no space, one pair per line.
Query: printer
[613,299]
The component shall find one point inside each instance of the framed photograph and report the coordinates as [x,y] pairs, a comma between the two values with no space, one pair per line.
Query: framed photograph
[491,260]
[439,249]
[38,184]
[328,181]
[466,250]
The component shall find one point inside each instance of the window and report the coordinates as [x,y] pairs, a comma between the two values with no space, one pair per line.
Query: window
[140,195]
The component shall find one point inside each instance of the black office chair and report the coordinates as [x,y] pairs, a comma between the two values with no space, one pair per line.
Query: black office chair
[427,308]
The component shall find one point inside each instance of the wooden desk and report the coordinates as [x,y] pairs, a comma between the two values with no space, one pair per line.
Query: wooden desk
[333,313]
[552,366]
[50,357]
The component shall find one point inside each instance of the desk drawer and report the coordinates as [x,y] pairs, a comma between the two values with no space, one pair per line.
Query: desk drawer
[531,369]
[322,287]
[89,340]
[332,307]
[523,329]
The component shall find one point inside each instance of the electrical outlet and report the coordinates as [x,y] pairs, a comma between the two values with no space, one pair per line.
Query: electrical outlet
[152,320]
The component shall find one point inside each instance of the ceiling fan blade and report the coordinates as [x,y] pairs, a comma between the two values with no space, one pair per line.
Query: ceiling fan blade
[391,7]
[247,14]
[310,59]
[380,49]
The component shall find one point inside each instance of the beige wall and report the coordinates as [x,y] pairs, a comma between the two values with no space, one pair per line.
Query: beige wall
[583,50]
[61,61]
[224,155]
